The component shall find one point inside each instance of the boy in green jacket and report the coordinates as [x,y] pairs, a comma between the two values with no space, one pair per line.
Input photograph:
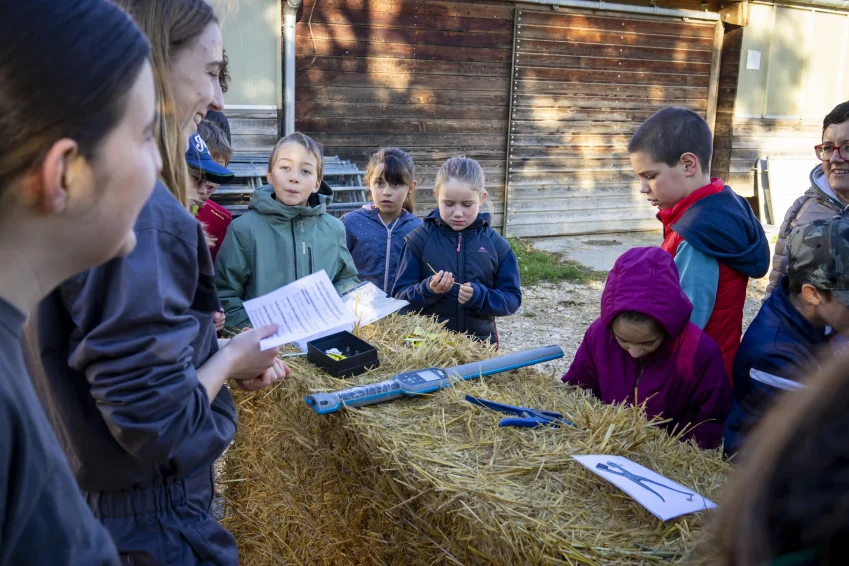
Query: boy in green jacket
[286,233]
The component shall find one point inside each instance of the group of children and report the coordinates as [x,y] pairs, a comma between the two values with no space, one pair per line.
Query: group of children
[287,234]
[671,316]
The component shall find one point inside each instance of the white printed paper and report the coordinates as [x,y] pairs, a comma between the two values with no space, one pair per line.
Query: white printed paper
[369,303]
[661,496]
[753,60]
[304,308]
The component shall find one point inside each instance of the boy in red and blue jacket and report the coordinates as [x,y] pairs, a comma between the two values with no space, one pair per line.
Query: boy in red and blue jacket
[711,232]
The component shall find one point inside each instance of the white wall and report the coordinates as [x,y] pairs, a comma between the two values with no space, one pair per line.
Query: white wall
[252,37]
[792,63]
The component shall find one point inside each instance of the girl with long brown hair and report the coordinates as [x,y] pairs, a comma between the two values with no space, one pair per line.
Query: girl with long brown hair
[375,233]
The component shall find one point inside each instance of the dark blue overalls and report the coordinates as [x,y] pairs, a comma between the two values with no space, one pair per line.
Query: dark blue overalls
[119,346]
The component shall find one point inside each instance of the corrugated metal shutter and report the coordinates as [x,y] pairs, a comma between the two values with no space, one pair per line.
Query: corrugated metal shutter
[582,85]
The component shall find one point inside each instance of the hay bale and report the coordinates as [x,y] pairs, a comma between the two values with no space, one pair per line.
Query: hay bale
[434,480]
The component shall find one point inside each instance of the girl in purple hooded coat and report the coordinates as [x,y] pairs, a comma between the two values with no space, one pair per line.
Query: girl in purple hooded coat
[644,349]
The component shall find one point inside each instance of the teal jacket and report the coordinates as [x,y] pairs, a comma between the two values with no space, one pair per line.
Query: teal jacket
[272,245]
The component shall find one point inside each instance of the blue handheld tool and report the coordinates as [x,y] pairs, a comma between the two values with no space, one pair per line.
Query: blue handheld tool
[423,381]
[525,417]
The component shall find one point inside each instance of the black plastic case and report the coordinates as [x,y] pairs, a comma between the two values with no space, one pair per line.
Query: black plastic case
[353,364]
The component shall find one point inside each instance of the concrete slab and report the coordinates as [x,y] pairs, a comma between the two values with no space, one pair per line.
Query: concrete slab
[597,251]
[600,251]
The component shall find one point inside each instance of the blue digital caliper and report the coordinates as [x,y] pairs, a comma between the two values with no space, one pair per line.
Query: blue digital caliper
[428,380]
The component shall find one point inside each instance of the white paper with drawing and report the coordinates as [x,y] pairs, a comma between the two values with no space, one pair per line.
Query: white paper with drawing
[661,496]
[369,303]
[303,308]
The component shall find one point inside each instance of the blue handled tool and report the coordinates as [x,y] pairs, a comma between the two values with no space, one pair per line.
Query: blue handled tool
[525,417]
[423,381]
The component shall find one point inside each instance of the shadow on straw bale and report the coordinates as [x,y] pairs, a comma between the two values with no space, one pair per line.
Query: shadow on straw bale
[435,481]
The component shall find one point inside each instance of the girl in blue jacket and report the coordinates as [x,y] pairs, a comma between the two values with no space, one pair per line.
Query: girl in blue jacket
[457,242]
[376,232]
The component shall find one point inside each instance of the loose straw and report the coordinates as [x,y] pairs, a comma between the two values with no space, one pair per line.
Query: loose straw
[434,480]
[435,272]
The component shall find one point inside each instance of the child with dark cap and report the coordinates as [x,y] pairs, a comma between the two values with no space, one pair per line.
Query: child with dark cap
[711,232]
[208,175]
[790,336]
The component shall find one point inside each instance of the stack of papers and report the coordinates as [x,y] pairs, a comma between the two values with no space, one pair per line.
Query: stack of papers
[310,308]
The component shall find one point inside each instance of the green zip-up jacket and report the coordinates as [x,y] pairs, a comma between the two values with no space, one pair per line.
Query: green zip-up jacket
[272,245]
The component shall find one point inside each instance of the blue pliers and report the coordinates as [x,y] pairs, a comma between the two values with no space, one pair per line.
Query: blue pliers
[525,417]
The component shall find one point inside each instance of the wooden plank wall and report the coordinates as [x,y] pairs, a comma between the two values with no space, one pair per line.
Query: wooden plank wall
[724,127]
[756,138]
[430,77]
[583,83]
[253,130]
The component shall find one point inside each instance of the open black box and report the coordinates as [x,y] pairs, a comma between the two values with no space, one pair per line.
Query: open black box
[353,364]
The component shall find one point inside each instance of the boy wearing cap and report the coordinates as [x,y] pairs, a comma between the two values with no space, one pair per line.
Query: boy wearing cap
[208,175]
[790,335]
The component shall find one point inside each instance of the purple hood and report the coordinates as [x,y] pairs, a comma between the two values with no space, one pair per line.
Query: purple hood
[684,380]
[645,280]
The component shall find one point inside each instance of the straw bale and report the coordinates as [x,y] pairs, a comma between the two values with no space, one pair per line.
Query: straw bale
[433,480]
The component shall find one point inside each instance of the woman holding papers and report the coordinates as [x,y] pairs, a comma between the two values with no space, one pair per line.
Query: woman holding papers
[133,375]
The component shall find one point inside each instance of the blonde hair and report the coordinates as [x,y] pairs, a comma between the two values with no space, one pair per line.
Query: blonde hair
[464,169]
[312,146]
[170,26]
[398,169]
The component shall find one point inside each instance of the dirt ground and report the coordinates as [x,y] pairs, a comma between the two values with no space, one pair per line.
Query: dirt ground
[560,313]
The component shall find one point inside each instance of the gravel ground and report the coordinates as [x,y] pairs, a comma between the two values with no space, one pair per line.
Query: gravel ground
[560,313]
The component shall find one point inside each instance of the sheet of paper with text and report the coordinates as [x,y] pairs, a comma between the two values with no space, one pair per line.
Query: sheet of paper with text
[303,308]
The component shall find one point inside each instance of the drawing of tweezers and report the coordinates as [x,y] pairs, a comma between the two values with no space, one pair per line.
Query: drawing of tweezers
[640,479]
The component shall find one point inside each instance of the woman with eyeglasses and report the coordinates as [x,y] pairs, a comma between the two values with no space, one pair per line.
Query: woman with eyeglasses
[829,191]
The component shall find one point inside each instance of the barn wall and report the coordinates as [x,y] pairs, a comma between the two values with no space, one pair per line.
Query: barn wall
[430,77]
[583,83]
[728,76]
[436,79]
[785,86]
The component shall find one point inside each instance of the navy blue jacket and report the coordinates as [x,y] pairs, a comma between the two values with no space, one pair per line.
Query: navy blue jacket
[120,344]
[476,255]
[43,518]
[724,227]
[779,349]
[376,247]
